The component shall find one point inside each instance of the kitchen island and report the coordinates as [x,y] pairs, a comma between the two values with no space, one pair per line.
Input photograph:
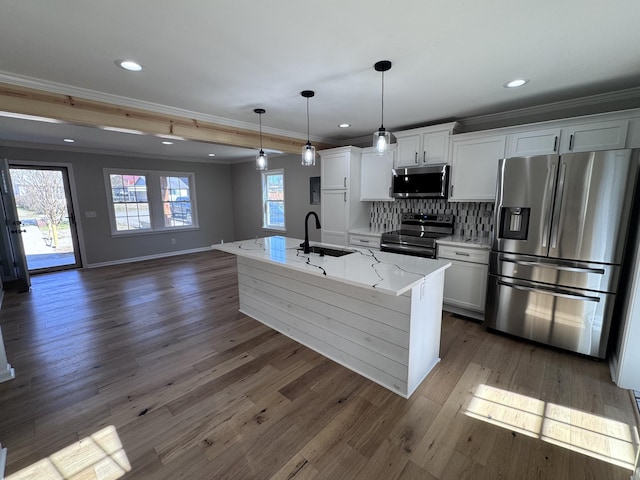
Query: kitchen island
[377,313]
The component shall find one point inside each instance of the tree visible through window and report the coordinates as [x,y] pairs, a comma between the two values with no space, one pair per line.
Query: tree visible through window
[176,201]
[273,199]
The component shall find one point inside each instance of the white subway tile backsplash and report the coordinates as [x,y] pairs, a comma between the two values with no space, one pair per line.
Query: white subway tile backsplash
[471,218]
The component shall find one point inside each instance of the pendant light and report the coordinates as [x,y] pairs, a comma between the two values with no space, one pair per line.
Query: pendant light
[382,138]
[261,158]
[308,151]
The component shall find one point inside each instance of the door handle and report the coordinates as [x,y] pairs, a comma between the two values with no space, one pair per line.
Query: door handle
[598,271]
[554,293]
[547,206]
[556,220]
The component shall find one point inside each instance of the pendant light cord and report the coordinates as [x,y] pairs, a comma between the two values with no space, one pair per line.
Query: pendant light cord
[308,140]
[382,115]
[260,117]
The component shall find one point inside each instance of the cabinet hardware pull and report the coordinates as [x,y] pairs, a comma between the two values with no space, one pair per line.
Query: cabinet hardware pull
[464,254]
[345,196]
[555,145]
[416,160]
[452,190]
[344,182]
[571,142]
[364,241]
[424,156]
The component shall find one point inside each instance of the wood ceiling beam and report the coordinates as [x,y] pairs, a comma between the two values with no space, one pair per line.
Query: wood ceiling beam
[79,111]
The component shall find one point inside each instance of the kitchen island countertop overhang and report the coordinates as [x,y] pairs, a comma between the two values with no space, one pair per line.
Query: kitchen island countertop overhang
[377,313]
[386,272]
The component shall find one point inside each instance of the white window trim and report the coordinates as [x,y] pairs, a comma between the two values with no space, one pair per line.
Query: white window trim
[154,198]
[279,171]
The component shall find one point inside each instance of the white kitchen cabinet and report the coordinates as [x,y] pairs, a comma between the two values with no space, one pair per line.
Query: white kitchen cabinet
[465,282]
[573,138]
[474,167]
[594,136]
[423,146]
[365,240]
[341,208]
[375,175]
[537,142]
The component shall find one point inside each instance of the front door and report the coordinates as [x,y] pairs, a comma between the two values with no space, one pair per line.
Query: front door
[44,209]
[15,272]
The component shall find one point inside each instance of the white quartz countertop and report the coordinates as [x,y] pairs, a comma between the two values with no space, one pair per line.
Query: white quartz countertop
[381,271]
[462,241]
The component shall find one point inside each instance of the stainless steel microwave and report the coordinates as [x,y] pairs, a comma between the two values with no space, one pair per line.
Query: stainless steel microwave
[420,182]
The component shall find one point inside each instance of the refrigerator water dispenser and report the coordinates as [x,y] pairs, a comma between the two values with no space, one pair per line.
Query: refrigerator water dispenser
[514,223]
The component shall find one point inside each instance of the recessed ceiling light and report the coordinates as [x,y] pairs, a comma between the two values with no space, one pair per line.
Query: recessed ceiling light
[69,140]
[129,65]
[344,125]
[23,116]
[123,130]
[212,154]
[167,142]
[170,137]
[516,83]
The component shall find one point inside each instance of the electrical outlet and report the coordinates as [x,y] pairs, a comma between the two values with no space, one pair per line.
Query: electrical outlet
[90,214]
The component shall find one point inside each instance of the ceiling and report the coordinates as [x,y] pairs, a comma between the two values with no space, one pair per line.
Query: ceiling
[225,58]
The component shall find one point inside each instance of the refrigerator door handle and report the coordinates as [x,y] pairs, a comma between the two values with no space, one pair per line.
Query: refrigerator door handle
[558,210]
[598,271]
[546,207]
[553,292]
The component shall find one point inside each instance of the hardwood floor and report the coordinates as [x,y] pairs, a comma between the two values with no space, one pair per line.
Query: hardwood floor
[150,368]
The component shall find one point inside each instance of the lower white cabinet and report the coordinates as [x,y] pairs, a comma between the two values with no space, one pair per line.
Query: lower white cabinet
[334,218]
[465,283]
[364,240]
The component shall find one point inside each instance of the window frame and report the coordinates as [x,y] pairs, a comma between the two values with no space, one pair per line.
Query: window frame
[154,200]
[265,200]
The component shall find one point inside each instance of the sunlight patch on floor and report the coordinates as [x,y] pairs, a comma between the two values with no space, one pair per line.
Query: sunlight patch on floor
[98,457]
[598,437]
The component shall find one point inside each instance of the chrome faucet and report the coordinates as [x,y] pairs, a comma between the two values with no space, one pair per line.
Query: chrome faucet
[305,244]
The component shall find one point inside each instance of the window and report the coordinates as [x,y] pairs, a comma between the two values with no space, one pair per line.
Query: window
[150,201]
[273,199]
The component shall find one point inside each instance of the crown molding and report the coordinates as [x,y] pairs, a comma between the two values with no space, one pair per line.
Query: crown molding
[597,103]
[63,89]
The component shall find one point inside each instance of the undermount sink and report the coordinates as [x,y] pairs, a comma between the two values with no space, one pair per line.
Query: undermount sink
[329,252]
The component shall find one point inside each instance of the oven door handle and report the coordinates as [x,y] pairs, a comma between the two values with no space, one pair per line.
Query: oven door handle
[397,248]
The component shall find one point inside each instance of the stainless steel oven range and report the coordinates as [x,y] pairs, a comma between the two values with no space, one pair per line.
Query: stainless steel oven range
[417,234]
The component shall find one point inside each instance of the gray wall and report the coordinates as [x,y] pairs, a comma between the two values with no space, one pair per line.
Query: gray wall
[247,198]
[213,196]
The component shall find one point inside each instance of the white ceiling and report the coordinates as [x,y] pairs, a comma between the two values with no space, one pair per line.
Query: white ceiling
[224,58]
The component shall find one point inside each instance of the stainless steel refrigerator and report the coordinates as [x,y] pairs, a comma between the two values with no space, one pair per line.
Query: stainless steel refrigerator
[561,224]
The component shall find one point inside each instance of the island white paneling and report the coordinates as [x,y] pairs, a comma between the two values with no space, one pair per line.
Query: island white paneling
[392,340]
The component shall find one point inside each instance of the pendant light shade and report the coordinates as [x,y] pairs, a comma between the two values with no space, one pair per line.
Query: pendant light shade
[261,159]
[382,138]
[308,151]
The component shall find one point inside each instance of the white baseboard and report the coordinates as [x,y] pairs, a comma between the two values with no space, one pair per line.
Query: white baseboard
[147,257]
[8,374]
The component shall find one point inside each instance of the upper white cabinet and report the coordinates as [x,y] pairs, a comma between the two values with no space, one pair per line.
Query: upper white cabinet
[375,174]
[341,208]
[573,138]
[335,168]
[594,136]
[474,167]
[423,146]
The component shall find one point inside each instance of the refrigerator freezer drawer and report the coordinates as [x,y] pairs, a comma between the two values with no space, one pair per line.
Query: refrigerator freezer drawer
[566,318]
[563,273]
